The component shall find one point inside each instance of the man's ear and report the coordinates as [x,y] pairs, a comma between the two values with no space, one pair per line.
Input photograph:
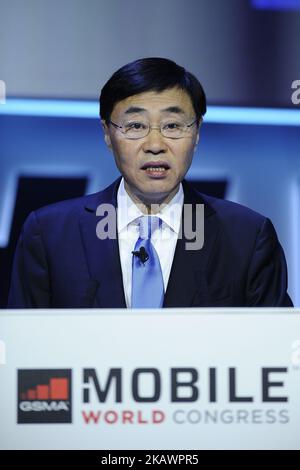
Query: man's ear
[106,134]
[197,140]
[198,135]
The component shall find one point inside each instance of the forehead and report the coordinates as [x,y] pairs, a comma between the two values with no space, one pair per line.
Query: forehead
[154,102]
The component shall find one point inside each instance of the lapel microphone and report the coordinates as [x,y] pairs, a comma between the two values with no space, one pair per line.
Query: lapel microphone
[141,254]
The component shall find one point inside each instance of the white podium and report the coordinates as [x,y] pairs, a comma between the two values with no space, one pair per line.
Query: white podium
[157,379]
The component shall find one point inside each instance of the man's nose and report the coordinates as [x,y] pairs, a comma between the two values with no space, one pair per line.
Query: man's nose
[154,142]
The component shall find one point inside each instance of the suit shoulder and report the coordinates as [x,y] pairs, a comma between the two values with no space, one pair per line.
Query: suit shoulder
[225,210]
[75,205]
[67,206]
[233,212]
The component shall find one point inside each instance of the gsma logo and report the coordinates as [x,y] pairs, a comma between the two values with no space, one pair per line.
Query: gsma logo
[44,396]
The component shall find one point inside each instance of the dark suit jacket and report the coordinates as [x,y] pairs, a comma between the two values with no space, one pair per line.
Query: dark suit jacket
[61,263]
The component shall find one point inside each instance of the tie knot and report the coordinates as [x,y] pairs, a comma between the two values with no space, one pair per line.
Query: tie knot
[148,224]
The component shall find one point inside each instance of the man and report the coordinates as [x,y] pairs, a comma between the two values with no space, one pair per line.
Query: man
[151,113]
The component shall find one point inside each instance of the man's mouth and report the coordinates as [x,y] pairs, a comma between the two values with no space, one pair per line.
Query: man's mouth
[156,169]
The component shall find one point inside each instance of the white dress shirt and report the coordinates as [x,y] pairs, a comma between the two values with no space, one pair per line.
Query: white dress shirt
[164,238]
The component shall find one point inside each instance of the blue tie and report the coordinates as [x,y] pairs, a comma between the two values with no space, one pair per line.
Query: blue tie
[147,279]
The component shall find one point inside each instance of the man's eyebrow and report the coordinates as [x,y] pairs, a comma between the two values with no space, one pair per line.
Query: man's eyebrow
[173,109]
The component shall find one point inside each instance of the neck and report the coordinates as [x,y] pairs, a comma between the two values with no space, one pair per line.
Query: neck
[150,205]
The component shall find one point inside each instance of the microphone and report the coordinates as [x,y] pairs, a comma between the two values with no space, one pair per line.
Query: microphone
[141,254]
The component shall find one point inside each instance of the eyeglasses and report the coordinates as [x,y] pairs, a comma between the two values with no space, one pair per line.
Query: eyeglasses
[173,129]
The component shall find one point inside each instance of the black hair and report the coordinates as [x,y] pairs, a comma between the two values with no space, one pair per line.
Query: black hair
[150,74]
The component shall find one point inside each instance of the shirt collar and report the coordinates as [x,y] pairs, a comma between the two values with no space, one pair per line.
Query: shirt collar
[128,211]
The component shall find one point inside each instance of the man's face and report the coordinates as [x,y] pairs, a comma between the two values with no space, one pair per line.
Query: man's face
[137,159]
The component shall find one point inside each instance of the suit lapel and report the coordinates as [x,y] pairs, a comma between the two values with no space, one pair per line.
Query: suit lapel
[102,256]
[187,284]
